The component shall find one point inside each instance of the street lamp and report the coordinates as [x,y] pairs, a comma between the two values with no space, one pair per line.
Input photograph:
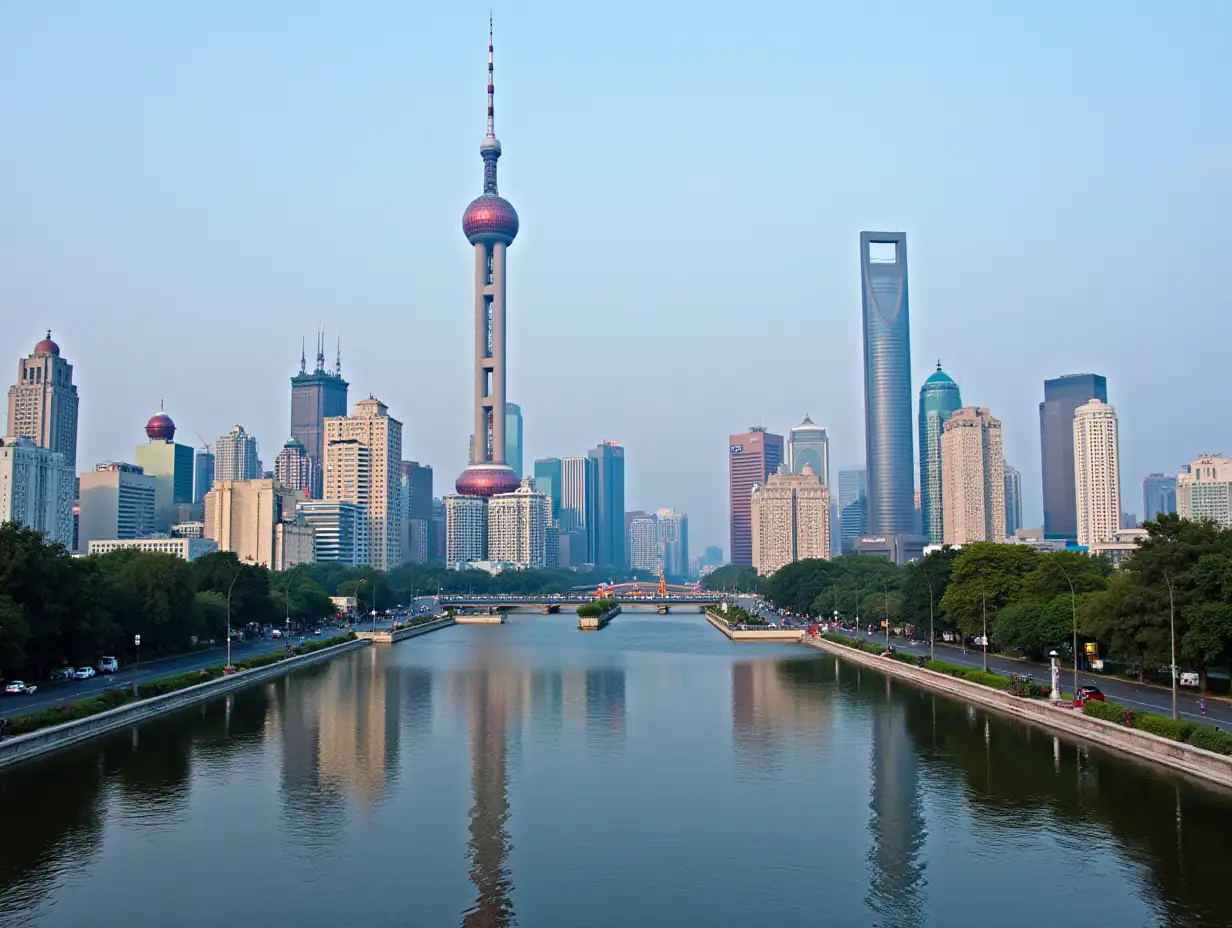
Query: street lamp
[137,666]
[859,633]
[287,597]
[1073,604]
[931,637]
[885,586]
[229,668]
[984,609]
[1172,636]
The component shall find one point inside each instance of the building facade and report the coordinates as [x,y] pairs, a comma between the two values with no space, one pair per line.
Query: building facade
[1204,490]
[809,446]
[186,549]
[37,488]
[972,477]
[1062,397]
[1097,475]
[579,488]
[659,543]
[548,479]
[203,474]
[889,442]
[466,530]
[116,502]
[171,466]
[1158,496]
[1013,501]
[853,506]
[790,520]
[363,456]
[315,397]
[513,437]
[259,522]
[415,511]
[517,526]
[752,456]
[235,457]
[339,530]
[295,469]
[43,402]
[939,398]
[609,521]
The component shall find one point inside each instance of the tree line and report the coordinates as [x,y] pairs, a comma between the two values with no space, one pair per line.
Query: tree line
[1030,601]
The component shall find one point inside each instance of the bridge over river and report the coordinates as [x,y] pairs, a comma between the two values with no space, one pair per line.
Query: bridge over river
[663,597]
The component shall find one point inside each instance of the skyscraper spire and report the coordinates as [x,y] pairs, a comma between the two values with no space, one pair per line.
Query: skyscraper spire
[303,355]
[320,350]
[491,89]
[490,148]
[338,359]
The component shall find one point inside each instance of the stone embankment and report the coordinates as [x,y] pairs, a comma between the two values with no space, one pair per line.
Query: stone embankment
[46,740]
[592,623]
[388,636]
[1176,755]
[768,634]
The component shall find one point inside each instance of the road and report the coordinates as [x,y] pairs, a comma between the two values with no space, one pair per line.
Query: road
[1126,692]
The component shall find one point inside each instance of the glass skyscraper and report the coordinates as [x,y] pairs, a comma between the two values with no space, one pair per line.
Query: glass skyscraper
[548,482]
[1013,501]
[609,530]
[888,438]
[1158,496]
[513,437]
[853,503]
[1062,397]
[808,443]
[939,397]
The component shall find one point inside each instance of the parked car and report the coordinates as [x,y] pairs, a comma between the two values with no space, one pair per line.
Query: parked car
[1090,692]
[62,673]
[83,673]
[18,688]
[1189,678]
[108,665]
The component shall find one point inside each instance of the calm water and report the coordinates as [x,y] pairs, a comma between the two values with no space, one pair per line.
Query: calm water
[649,774]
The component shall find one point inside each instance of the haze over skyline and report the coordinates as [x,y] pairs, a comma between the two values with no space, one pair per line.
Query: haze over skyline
[189,189]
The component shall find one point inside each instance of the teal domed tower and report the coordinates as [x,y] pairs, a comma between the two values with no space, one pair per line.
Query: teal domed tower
[939,397]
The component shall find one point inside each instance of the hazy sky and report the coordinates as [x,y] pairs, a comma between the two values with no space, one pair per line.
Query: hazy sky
[188,188]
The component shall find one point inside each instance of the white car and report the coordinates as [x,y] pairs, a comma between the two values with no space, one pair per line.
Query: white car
[83,673]
[18,688]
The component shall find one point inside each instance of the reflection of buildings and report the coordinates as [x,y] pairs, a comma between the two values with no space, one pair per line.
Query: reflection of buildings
[897,824]
[359,725]
[771,700]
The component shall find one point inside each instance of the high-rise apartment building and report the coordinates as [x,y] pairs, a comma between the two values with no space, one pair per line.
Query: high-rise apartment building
[578,504]
[972,477]
[609,521]
[939,397]
[235,457]
[548,482]
[295,469]
[116,501]
[171,466]
[466,530]
[1062,397]
[315,397]
[415,511]
[513,437]
[1097,474]
[790,520]
[43,402]
[1013,501]
[1204,490]
[752,457]
[1158,496]
[660,542]
[37,487]
[203,474]
[363,456]
[853,506]
[259,521]
[888,439]
[517,526]
[809,446]
[339,530]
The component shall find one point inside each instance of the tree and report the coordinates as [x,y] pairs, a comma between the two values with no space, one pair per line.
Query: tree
[987,575]
[731,577]
[936,569]
[14,633]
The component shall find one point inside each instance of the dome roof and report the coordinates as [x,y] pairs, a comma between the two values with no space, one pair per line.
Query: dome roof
[47,346]
[487,480]
[490,218]
[939,376]
[160,427]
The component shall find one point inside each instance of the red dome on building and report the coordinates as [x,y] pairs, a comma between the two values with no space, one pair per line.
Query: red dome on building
[160,427]
[47,346]
[490,218]
[487,480]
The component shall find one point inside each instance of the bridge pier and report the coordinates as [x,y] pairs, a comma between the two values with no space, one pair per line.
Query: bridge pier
[550,609]
[663,610]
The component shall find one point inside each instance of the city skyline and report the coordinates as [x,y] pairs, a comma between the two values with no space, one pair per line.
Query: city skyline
[1052,327]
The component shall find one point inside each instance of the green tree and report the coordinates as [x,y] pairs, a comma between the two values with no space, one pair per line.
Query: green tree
[933,569]
[988,576]
[737,577]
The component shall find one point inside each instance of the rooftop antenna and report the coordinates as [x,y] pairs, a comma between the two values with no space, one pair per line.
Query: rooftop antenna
[303,356]
[338,359]
[320,349]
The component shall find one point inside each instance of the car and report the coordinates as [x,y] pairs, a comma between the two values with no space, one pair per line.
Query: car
[1090,692]
[1189,678]
[83,673]
[61,673]
[318,631]
[108,665]
[18,688]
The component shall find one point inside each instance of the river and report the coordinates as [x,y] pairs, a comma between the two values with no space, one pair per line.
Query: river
[649,774]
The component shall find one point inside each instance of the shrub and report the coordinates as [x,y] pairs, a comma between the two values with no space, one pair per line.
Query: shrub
[1108,711]
[1162,725]
[595,608]
[1210,739]
[1200,736]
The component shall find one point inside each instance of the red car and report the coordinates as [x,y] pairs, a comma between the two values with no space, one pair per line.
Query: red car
[1090,692]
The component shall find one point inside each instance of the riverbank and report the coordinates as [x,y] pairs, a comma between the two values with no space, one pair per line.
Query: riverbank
[56,737]
[1175,755]
[737,634]
[389,636]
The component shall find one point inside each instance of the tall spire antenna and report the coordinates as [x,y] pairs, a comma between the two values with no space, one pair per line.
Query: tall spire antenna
[320,349]
[491,88]
[303,355]
[338,359]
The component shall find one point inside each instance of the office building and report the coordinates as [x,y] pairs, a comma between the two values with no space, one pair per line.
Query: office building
[548,482]
[609,522]
[631,516]
[1013,501]
[203,475]
[170,465]
[1204,490]
[43,402]
[571,548]
[1123,544]
[1158,496]
[853,506]
[186,549]
[259,522]
[888,438]
[415,511]
[972,477]
[295,469]
[363,457]
[339,530]
[315,397]
[490,224]
[37,488]
[790,520]
[939,397]
[116,502]
[235,457]
[551,545]
[752,457]
[659,542]
[517,526]
[1062,397]
[579,487]
[1097,475]
[513,437]
[188,530]
[466,530]
[809,446]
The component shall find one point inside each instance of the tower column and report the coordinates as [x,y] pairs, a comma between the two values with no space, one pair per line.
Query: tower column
[498,353]
[479,454]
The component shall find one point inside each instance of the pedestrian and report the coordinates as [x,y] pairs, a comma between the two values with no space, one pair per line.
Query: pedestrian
[1202,704]
[4,729]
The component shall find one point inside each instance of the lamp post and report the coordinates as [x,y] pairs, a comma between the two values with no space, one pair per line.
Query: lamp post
[984,609]
[1073,605]
[1172,636]
[287,596]
[229,668]
[859,633]
[137,666]
[885,586]
[931,637]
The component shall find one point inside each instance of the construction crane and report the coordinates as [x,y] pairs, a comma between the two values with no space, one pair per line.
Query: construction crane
[205,444]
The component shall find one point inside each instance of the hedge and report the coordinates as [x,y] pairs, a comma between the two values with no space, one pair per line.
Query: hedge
[1200,736]
[595,608]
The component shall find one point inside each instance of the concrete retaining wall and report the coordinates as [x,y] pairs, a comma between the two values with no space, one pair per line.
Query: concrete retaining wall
[479,620]
[1206,765]
[770,634]
[389,637]
[46,740]
[592,623]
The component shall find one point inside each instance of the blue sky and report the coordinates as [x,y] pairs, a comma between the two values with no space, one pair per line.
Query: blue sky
[187,189]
